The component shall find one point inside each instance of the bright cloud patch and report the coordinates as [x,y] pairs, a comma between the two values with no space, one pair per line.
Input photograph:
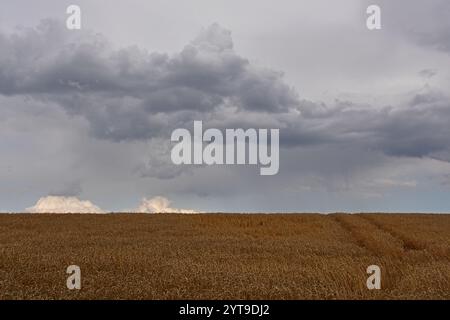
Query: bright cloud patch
[57,204]
[61,204]
[159,205]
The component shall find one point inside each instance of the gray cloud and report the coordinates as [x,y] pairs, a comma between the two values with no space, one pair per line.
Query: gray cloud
[131,94]
[424,22]
[418,128]
[87,111]
[71,189]
[427,73]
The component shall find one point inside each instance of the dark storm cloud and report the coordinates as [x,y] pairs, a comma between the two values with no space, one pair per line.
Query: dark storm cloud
[133,95]
[417,129]
[121,92]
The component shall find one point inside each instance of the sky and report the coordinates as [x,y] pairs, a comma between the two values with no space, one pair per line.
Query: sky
[87,115]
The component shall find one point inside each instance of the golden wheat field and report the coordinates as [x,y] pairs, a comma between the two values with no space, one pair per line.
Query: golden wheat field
[223,256]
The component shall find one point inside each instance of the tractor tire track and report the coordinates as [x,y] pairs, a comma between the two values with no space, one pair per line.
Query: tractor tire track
[369,236]
[408,244]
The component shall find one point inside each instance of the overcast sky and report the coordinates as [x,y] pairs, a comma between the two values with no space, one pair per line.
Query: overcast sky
[363,115]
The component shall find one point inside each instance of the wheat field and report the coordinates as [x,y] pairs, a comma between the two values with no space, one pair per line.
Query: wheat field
[224,256]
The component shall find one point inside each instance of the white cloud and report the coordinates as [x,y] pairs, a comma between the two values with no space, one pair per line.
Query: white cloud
[59,204]
[159,205]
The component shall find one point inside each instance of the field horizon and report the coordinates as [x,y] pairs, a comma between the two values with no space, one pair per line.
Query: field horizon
[430,213]
[225,255]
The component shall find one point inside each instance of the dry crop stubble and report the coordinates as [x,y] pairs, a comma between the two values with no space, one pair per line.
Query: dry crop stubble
[224,256]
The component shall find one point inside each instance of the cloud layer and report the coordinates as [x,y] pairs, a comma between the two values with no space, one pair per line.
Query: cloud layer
[129,93]
[80,113]
[61,204]
[159,205]
[58,204]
